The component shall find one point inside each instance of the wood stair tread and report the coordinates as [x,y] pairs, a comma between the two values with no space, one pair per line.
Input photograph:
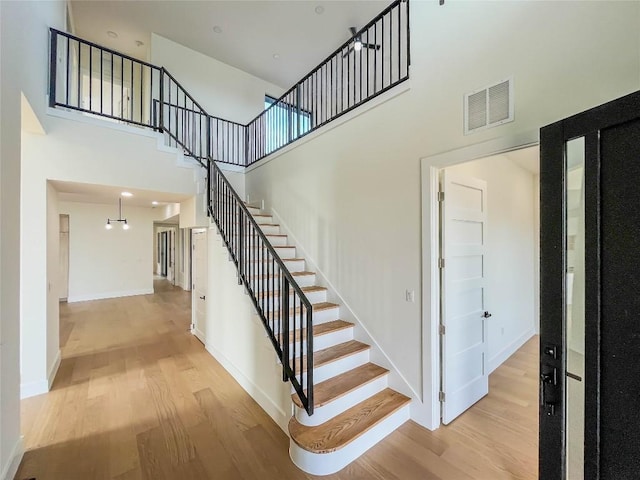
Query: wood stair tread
[338,386]
[295,274]
[320,329]
[316,307]
[311,289]
[331,354]
[283,259]
[349,425]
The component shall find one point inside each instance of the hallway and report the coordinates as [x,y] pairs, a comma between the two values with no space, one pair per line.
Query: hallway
[138,397]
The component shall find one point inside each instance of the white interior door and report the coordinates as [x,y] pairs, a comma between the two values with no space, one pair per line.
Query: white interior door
[199,291]
[464,332]
[64,257]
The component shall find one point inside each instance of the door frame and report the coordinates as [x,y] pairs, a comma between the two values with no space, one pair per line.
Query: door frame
[428,413]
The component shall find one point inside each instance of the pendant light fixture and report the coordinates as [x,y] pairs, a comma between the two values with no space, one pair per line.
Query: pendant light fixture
[125,225]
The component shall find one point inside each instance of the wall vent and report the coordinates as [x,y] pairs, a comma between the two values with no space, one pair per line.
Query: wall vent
[488,107]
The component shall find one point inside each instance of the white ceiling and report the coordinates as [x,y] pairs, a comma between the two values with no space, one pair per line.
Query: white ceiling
[103,194]
[252,32]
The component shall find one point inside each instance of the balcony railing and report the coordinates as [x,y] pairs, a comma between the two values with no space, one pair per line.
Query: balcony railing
[98,81]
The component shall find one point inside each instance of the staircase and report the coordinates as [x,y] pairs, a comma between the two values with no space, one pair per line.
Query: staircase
[353,407]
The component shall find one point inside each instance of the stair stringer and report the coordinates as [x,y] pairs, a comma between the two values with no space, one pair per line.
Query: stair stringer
[396,380]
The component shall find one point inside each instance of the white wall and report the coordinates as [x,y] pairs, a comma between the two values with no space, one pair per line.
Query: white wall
[108,263]
[23,64]
[509,261]
[352,196]
[234,335]
[222,90]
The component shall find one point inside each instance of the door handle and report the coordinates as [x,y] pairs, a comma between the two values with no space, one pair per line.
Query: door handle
[548,389]
[203,297]
[486,314]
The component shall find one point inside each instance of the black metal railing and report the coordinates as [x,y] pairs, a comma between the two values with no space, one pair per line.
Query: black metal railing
[286,312]
[96,80]
[375,59]
[92,79]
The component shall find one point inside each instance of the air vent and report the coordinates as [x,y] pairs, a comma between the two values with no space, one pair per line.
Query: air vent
[488,107]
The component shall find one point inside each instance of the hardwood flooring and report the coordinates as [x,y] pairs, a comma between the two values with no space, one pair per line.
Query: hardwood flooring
[138,397]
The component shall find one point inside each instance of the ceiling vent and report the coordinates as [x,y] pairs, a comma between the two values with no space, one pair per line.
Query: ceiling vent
[488,107]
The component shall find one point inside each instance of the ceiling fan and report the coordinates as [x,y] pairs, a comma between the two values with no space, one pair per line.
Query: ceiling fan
[357,43]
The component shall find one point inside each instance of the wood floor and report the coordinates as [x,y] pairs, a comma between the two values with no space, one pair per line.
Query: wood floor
[138,397]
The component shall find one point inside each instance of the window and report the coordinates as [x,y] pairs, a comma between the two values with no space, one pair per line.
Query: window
[284,123]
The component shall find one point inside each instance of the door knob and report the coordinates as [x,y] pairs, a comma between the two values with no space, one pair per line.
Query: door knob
[486,314]
[203,297]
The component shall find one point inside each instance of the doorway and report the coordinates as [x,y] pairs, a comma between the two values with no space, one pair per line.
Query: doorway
[199,282]
[488,251]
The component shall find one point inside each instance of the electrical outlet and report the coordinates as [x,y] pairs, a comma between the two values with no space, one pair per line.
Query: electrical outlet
[502,331]
[410,296]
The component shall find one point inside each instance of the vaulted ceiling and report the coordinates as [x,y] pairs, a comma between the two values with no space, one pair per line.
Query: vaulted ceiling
[279,41]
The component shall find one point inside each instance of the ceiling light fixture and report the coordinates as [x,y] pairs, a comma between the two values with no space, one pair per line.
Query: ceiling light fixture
[154,203]
[125,225]
[276,56]
[127,194]
[319,9]
[358,45]
[112,34]
[217,29]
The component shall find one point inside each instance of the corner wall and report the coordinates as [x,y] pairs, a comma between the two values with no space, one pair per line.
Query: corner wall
[222,90]
[23,63]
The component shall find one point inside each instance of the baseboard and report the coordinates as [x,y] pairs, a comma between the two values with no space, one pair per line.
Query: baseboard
[32,389]
[11,468]
[510,349]
[53,371]
[102,296]
[273,410]
[199,335]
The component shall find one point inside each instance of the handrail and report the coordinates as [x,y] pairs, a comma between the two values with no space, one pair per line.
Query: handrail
[236,241]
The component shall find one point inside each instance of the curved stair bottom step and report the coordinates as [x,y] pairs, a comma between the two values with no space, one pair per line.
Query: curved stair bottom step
[332,462]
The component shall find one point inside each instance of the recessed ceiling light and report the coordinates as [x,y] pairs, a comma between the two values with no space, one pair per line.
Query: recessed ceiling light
[217,29]
[112,34]
[319,9]
[276,56]
[139,43]
[154,203]
[127,194]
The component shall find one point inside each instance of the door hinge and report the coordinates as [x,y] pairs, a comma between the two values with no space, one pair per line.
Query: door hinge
[441,263]
[441,396]
[442,329]
[441,196]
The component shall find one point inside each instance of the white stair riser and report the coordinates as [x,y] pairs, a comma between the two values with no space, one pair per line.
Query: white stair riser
[259,220]
[254,210]
[342,404]
[277,241]
[294,301]
[283,252]
[328,463]
[324,341]
[292,265]
[330,370]
[303,281]
[322,316]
